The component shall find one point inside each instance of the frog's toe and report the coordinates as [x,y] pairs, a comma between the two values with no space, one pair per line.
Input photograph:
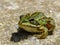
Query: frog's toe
[50,32]
[40,36]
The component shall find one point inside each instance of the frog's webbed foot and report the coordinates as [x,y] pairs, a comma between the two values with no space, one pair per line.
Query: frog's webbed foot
[43,34]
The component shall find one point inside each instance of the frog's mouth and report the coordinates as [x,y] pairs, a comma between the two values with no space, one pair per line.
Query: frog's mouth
[31,22]
[28,24]
[29,27]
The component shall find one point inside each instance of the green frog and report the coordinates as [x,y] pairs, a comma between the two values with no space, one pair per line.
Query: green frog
[37,23]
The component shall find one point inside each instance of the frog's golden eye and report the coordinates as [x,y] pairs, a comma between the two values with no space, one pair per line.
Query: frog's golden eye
[32,21]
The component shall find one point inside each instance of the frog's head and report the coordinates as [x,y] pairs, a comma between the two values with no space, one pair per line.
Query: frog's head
[33,19]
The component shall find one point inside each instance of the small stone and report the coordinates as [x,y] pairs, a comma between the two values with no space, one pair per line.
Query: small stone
[1,24]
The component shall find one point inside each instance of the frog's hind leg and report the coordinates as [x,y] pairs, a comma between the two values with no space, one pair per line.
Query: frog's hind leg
[43,34]
[50,25]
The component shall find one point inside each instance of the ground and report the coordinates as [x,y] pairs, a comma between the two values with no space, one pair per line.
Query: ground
[10,10]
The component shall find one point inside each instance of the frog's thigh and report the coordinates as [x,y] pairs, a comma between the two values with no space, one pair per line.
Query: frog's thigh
[52,22]
[43,34]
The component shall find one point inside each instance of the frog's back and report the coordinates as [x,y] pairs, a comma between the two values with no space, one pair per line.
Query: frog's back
[37,15]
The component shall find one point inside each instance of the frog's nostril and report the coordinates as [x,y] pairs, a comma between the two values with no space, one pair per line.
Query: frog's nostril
[20,16]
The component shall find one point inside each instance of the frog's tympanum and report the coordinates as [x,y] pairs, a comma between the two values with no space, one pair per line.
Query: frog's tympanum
[37,23]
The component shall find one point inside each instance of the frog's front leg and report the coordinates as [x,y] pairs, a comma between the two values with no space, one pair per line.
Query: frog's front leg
[43,33]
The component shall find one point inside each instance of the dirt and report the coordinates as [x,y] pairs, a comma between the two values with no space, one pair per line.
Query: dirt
[10,10]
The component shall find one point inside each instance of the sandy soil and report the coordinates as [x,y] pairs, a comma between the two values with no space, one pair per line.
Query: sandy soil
[10,10]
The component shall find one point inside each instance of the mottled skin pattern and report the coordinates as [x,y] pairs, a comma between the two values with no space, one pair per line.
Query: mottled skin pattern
[37,22]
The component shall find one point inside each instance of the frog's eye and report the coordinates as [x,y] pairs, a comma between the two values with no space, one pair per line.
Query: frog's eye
[32,21]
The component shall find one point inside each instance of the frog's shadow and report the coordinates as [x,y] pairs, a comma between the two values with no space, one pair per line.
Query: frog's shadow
[21,34]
